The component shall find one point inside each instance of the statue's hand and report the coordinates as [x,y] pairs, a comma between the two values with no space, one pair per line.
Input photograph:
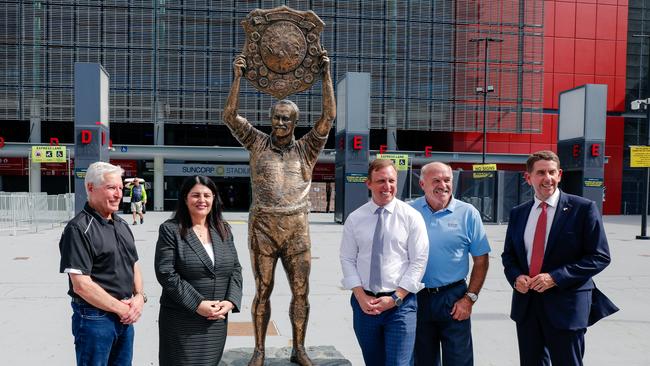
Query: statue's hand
[239,65]
[324,61]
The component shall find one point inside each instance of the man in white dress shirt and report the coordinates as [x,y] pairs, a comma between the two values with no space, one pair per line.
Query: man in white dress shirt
[384,252]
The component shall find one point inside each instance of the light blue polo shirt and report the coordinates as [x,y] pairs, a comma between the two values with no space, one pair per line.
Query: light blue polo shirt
[454,232]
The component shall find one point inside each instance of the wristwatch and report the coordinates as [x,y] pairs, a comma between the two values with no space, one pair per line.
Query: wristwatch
[472,296]
[144,296]
[398,300]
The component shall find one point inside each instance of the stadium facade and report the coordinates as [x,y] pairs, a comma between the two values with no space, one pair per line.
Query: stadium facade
[170,70]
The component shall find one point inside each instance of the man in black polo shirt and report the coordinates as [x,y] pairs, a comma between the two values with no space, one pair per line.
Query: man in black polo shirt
[98,253]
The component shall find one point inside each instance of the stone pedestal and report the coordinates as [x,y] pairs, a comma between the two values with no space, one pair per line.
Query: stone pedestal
[320,355]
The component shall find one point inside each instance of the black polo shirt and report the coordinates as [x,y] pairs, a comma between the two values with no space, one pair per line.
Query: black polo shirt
[103,249]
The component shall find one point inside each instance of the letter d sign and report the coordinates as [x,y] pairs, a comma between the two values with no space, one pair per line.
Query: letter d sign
[86,136]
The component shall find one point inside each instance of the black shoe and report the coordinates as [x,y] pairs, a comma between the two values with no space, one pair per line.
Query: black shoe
[141,221]
[135,222]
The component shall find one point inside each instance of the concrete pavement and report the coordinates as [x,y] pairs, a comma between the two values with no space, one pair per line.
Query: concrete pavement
[35,311]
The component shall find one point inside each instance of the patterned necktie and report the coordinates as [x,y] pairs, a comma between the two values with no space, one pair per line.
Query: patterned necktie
[537,257]
[377,249]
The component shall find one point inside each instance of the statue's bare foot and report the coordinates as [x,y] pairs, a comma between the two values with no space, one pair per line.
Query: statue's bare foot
[299,356]
[257,359]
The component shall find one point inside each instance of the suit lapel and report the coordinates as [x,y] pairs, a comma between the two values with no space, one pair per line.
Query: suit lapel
[524,212]
[561,212]
[196,245]
[216,246]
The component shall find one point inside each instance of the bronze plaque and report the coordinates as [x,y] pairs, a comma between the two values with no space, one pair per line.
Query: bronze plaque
[282,50]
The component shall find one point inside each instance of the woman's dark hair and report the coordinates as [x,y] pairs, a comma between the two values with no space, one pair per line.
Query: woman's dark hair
[182,214]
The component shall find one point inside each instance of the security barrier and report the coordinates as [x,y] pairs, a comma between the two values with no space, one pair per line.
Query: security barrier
[22,212]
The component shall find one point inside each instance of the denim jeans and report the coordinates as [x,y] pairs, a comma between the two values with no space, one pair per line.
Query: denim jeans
[99,337]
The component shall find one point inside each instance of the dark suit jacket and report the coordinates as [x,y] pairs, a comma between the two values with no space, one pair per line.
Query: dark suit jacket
[187,274]
[576,251]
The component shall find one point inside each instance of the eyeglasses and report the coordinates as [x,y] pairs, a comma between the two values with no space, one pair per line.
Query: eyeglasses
[197,196]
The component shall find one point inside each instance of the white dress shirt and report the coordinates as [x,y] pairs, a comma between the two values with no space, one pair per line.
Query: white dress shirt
[531,224]
[405,252]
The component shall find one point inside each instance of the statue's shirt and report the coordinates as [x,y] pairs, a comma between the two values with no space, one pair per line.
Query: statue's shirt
[280,176]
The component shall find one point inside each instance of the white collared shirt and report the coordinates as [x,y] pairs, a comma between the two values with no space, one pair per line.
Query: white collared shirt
[535,211]
[405,252]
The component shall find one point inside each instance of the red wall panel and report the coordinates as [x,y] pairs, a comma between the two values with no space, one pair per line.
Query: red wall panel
[606,22]
[561,82]
[585,20]
[585,56]
[619,94]
[621,58]
[605,57]
[580,79]
[549,50]
[621,23]
[614,168]
[564,55]
[548,90]
[549,18]
[565,19]
[611,88]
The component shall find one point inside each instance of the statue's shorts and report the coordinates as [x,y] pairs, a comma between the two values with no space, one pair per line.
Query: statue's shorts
[278,235]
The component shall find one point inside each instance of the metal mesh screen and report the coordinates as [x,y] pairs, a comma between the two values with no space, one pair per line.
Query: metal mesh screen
[174,57]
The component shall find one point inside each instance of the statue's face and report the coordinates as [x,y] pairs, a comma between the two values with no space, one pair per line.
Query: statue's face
[282,121]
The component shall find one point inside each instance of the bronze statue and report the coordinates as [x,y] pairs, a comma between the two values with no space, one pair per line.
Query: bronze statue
[281,170]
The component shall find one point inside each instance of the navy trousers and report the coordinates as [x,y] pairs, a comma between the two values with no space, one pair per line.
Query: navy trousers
[387,338]
[538,340]
[436,329]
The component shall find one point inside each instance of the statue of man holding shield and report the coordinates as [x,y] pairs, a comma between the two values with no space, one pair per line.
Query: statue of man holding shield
[281,170]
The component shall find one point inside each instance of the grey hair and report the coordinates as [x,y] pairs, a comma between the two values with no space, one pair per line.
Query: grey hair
[96,172]
[425,168]
[296,111]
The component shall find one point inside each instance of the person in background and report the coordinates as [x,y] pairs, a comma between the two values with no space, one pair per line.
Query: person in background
[138,200]
[197,266]
[105,283]
[445,304]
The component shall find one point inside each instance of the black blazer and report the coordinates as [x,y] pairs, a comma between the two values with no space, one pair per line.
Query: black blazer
[576,251]
[186,273]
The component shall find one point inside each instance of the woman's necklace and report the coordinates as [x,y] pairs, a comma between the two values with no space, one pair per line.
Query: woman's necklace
[202,232]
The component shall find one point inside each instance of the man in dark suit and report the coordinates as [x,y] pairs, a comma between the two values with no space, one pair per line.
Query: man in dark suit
[554,245]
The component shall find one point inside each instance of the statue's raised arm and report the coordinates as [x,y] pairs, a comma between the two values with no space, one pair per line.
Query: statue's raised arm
[230,115]
[324,124]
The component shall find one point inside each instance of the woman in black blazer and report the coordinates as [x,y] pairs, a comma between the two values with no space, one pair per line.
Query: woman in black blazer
[197,267]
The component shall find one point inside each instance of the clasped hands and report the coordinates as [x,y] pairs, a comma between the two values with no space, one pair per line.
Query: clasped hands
[135,304]
[375,305]
[214,310]
[539,283]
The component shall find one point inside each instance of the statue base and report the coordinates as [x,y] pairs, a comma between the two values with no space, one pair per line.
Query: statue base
[320,355]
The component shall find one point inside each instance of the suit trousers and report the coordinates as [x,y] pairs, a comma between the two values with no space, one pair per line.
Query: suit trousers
[387,338]
[538,340]
[437,328]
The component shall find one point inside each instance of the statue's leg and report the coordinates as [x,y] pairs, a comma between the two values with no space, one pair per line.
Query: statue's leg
[263,271]
[297,267]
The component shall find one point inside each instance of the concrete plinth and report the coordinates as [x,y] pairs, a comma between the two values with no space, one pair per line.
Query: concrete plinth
[320,355]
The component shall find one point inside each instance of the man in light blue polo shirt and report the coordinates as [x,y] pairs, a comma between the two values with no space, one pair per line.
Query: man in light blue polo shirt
[445,304]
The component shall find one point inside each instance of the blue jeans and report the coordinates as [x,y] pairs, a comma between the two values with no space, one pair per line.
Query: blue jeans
[437,329]
[387,338]
[99,337]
